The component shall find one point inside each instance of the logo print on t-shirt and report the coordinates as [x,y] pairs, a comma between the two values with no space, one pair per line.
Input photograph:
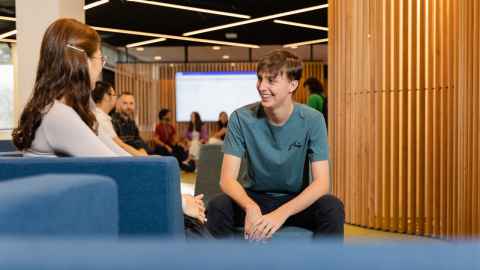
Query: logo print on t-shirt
[295,144]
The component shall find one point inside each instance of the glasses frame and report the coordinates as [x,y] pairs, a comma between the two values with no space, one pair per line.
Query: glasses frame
[102,58]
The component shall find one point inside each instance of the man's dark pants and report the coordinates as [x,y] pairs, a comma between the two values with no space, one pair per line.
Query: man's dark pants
[325,217]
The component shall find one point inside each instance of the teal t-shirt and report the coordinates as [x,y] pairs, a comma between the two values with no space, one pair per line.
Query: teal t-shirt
[316,101]
[277,157]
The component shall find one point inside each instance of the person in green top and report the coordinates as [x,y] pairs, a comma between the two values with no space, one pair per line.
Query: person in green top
[316,95]
[282,143]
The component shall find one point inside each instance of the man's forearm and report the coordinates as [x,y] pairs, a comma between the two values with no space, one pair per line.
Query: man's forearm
[131,150]
[306,198]
[157,141]
[235,191]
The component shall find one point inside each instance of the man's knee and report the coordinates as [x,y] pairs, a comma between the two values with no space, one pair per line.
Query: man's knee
[220,216]
[219,206]
[329,206]
[219,201]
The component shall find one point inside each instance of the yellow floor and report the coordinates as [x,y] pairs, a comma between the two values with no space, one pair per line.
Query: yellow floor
[352,233]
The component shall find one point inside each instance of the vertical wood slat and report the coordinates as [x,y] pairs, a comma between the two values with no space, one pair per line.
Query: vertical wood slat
[405,86]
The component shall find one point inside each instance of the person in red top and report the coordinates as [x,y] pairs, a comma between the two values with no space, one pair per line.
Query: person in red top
[167,142]
[165,133]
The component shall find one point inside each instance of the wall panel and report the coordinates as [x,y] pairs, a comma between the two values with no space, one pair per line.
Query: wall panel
[404,128]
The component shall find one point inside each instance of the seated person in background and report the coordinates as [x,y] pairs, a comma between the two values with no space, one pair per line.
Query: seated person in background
[165,133]
[181,152]
[222,124]
[57,119]
[196,134]
[124,123]
[167,143]
[280,138]
[105,100]
[316,96]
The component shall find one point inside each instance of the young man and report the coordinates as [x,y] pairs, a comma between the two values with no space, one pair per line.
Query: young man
[281,142]
[105,99]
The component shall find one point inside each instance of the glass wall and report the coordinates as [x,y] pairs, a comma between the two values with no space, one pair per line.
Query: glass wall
[6,87]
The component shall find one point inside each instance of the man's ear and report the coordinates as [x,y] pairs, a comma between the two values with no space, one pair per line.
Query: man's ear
[293,86]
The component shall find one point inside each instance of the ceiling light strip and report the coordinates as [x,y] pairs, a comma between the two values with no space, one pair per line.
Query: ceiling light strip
[4,18]
[8,40]
[151,41]
[146,34]
[95,4]
[306,43]
[304,25]
[274,16]
[7,34]
[202,10]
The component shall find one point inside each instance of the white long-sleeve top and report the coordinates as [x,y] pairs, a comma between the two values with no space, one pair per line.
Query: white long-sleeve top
[63,133]
[107,133]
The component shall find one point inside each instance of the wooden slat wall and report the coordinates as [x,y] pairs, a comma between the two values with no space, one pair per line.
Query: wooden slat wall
[153,86]
[404,114]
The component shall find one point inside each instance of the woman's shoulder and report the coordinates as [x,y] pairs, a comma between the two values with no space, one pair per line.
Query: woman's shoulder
[60,113]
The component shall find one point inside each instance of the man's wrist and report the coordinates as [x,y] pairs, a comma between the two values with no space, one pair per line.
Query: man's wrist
[285,210]
[251,206]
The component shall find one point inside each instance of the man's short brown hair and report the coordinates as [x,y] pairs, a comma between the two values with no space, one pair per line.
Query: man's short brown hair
[278,62]
[126,93]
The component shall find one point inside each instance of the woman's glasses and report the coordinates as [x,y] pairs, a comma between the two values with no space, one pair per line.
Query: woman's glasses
[102,58]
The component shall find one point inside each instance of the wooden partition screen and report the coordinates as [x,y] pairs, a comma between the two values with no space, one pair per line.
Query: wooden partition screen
[153,86]
[404,114]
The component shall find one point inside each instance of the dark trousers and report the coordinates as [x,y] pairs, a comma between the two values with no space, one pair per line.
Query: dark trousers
[180,154]
[325,217]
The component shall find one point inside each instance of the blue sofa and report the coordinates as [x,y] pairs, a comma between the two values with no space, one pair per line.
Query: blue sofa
[7,146]
[138,255]
[7,149]
[59,205]
[148,188]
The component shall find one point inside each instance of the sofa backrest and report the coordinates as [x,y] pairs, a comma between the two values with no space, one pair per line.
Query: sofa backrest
[148,188]
[121,255]
[208,171]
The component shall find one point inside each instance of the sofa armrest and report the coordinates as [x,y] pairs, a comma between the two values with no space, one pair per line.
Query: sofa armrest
[59,205]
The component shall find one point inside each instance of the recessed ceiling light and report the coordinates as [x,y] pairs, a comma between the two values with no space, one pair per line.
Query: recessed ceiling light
[158,58]
[301,25]
[226,56]
[231,35]
[216,48]
[154,35]
[95,4]
[202,10]
[306,43]
[264,18]
[140,49]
